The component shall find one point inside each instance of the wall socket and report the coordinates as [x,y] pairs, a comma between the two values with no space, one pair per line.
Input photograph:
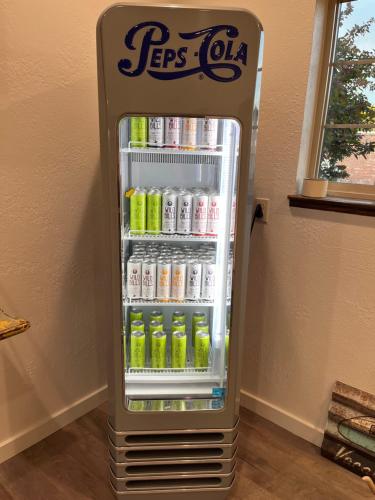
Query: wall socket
[265,203]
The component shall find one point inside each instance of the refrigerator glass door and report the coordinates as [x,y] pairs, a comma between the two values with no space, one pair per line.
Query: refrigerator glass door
[177,180]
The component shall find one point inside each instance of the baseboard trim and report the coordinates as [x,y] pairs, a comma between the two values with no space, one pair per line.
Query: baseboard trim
[47,426]
[281,417]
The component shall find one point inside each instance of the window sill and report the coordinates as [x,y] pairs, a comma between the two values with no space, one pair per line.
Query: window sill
[332,204]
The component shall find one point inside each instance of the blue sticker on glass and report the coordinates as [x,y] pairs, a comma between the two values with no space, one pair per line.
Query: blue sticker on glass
[218,392]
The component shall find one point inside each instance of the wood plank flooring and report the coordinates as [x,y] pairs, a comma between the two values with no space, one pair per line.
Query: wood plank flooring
[72,465]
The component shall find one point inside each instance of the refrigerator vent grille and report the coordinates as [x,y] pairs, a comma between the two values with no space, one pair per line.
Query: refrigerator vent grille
[177,454]
[194,482]
[173,158]
[193,437]
[178,468]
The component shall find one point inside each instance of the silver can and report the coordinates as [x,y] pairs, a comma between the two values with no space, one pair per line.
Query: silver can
[189,133]
[148,280]
[208,280]
[134,278]
[184,212]
[193,280]
[164,273]
[169,212]
[199,218]
[178,280]
[209,132]
[156,131]
[172,131]
[213,214]
[229,278]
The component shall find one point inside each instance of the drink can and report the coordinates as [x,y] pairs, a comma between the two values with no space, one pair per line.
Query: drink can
[154,211]
[157,405]
[233,215]
[178,280]
[198,317]
[169,211]
[156,315]
[179,316]
[193,280]
[124,350]
[138,131]
[189,133]
[213,214]
[184,212]
[156,131]
[138,211]
[137,324]
[158,349]
[154,326]
[148,280]
[209,132]
[163,289]
[202,326]
[226,346]
[178,353]
[208,280]
[137,405]
[172,131]
[135,314]
[134,277]
[229,278]
[137,349]
[199,219]
[178,405]
[201,349]
[178,326]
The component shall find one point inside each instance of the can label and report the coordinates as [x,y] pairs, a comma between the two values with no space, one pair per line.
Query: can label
[178,280]
[178,351]
[156,131]
[201,350]
[138,211]
[208,280]
[134,272]
[148,280]
[138,131]
[213,214]
[189,133]
[158,350]
[193,280]
[169,212]
[184,213]
[137,349]
[209,132]
[154,211]
[200,206]
[172,131]
[164,280]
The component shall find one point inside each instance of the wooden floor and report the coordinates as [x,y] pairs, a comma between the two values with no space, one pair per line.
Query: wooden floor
[72,465]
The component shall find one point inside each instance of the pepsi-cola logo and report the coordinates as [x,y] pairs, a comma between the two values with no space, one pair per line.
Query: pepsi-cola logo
[219,55]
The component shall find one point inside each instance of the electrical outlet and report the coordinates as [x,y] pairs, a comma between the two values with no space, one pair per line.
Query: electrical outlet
[265,203]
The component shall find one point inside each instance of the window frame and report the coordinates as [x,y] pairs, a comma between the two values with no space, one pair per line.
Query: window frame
[336,189]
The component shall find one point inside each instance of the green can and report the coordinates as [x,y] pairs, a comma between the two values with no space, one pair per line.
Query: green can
[137,324]
[178,349]
[159,349]
[202,326]
[157,405]
[124,348]
[199,404]
[178,405]
[137,349]
[138,211]
[226,346]
[154,326]
[154,211]
[202,349]
[178,326]
[156,316]
[198,316]
[179,316]
[137,405]
[135,314]
[138,131]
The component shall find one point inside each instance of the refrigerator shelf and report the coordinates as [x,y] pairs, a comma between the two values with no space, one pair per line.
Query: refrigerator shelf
[171,302]
[163,389]
[129,235]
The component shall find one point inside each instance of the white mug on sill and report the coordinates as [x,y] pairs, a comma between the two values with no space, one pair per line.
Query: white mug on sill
[315,188]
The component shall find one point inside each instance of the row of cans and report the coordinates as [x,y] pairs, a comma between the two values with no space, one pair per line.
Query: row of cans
[177,211]
[174,132]
[174,404]
[171,276]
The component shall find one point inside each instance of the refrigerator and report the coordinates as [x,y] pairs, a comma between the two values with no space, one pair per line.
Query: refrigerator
[178,102]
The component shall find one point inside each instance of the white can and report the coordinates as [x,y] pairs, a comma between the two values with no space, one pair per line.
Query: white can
[148,280]
[189,133]
[163,288]
[156,131]
[233,215]
[169,212]
[193,280]
[134,278]
[178,280]
[209,132]
[214,214]
[229,277]
[184,212]
[208,280]
[172,131]
[200,206]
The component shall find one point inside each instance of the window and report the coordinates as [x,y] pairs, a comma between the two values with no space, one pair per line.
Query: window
[344,138]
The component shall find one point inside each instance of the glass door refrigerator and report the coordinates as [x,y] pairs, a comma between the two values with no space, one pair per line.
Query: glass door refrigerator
[178,97]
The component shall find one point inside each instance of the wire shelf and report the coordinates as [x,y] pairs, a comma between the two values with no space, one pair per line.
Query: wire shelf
[130,235]
[168,302]
[168,155]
